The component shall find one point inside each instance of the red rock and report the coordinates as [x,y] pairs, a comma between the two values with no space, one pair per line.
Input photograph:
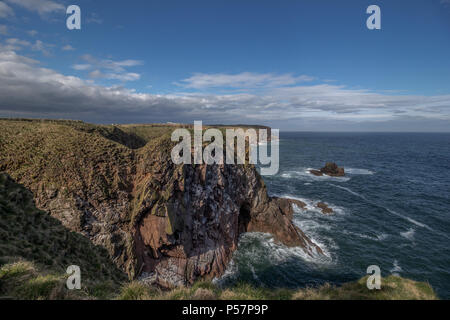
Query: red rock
[325,209]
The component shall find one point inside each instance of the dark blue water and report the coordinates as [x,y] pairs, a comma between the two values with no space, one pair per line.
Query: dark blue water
[392,210]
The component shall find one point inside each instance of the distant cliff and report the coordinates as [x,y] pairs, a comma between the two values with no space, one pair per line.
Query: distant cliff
[117,186]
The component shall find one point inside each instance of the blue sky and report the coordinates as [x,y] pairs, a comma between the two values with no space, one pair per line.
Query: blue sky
[296,65]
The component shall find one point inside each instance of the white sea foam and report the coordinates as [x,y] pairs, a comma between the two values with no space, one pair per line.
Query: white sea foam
[349,191]
[281,253]
[377,237]
[311,206]
[305,174]
[408,234]
[355,171]
[252,269]
[231,273]
[396,269]
[417,223]
[311,221]
[266,248]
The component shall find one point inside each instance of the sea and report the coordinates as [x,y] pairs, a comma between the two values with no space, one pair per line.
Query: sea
[392,210]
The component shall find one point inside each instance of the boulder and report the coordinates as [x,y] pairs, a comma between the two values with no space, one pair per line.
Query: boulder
[332,169]
[325,209]
[287,205]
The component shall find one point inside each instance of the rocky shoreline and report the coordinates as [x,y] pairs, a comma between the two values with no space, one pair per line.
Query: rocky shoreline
[117,187]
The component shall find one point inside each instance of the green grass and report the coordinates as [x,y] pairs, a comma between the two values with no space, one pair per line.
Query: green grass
[393,288]
[25,281]
[21,280]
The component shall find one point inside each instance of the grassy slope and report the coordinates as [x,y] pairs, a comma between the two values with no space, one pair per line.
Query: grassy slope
[22,280]
[393,288]
[35,248]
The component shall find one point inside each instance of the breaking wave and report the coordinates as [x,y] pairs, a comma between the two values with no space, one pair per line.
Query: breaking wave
[260,249]
[359,171]
[311,206]
[350,191]
[304,174]
[396,268]
[417,223]
[408,234]
[376,237]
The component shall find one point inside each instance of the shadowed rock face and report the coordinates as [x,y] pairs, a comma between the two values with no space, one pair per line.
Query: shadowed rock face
[171,224]
[31,234]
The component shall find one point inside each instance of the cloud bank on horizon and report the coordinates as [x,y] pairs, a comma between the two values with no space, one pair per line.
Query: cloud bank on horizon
[109,90]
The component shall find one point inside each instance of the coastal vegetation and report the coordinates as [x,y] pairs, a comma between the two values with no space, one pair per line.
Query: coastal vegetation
[22,280]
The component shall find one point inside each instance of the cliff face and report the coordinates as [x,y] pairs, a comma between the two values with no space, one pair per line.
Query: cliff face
[168,224]
[194,233]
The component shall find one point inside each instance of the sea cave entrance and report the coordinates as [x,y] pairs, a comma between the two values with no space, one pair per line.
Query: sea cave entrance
[244,218]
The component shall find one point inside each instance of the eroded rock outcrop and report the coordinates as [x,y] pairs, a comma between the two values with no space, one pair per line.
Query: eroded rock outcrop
[173,224]
[325,209]
[197,229]
[330,169]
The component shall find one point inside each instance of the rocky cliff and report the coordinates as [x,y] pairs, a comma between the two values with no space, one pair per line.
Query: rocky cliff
[117,186]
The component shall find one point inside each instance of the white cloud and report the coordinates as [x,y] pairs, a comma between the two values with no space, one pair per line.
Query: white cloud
[96,74]
[68,48]
[116,66]
[26,89]
[81,67]
[32,33]
[242,80]
[109,69]
[5,10]
[17,42]
[14,44]
[94,18]
[10,56]
[41,47]
[42,7]
[130,76]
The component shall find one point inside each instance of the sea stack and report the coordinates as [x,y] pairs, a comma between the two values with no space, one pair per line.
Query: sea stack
[331,169]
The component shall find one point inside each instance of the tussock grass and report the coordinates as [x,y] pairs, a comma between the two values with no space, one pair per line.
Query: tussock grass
[22,280]
[393,288]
